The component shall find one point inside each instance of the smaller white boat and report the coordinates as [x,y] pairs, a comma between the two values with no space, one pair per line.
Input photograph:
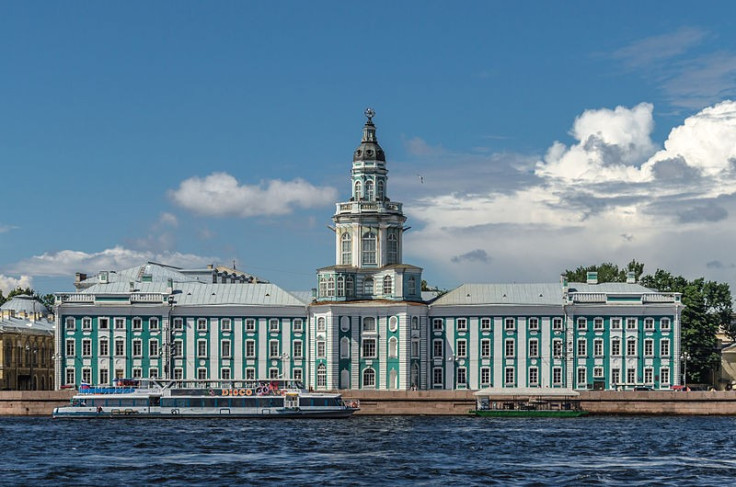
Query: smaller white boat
[153,398]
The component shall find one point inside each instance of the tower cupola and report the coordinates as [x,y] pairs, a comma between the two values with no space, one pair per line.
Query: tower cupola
[369,150]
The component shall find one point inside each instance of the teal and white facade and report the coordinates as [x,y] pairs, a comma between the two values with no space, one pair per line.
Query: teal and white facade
[367,325]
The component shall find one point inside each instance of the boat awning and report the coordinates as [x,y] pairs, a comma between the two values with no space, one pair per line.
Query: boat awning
[527,391]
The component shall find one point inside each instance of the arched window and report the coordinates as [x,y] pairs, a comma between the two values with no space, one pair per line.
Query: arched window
[393,348]
[349,286]
[322,286]
[322,376]
[331,287]
[369,248]
[379,190]
[392,254]
[358,191]
[347,255]
[412,286]
[344,347]
[340,286]
[415,323]
[369,377]
[368,286]
[320,324]
[369,190]
[388,287]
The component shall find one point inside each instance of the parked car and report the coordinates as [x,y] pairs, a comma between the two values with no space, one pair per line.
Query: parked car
[642,388]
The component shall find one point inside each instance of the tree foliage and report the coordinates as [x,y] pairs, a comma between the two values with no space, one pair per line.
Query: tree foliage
[607,272]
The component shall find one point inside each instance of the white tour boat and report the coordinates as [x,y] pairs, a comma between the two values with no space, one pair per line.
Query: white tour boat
[153,398]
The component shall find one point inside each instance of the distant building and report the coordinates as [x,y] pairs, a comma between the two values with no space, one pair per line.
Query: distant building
[26,345]
[368,326]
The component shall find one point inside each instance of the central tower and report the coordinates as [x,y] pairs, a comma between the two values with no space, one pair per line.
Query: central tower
[369,235]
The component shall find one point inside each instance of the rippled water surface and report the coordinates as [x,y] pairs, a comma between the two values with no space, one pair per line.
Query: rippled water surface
[370,450]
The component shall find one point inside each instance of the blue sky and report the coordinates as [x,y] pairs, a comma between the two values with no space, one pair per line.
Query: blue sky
[547,135]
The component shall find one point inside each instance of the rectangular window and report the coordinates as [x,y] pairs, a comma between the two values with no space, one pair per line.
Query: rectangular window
[509,324]
[103,323]
[137,348]
[201,348]
[557,348]
[178,351]
[462,376]
[598,324]
[321,353]
[70,323]
[153,373]
[273,373]
[615,377]
[86,347]
[437,377]
[557,324]
[462,324]
[104,376]
[119,323]
[437,325]
[369,347]
[485,348]
[250,373]
[202,324]
[648,375]
[485,324]
[582,323]
[664,375]
[485,376]
[86,324]
[178,373]
[178,324]
[273,325]
[510,377]
[297,349]
[510,348]
[273,349]
[119,347]
[533,376]
[582,347]
[225,325]
[87,375]
[225,374]
[615,347]
[631,347]
[437,349]
[631,376]
[597,372]
[534,348]
[250,349]
[137,324]
[582,378]
[297,325]
[153,348]
[615,323]
[649,324]
[648,347]
[664,348]
[137,373]
[462,348]
[664,324]
[598,347]
[557,376]
[297,374]
[202,373]
[415,349]
[631,323]
[250,325]
[104,348]
[69,376]
[533,324]
[225,349]
[153,324]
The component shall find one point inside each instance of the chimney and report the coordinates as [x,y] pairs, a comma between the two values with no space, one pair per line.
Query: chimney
[631,277]
[592,277]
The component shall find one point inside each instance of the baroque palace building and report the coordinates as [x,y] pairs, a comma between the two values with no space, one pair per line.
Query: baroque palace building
[367,325]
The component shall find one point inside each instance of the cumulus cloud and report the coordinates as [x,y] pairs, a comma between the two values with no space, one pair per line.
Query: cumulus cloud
[8,283]
[220,195]
[610,195]
[67,262]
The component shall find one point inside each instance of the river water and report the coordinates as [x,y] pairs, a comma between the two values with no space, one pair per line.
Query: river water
[596,450]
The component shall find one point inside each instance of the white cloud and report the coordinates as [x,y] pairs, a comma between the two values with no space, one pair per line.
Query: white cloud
[6,228]
[8,283]
[608,196]
[220,194]
[168,219]
[68,262]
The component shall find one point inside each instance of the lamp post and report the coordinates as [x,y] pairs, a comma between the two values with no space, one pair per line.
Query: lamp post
[685,357]
[34,350]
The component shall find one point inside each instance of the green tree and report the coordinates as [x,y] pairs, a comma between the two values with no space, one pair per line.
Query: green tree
[607,272]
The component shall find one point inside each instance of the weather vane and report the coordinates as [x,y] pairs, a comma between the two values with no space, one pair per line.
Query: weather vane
[370,113]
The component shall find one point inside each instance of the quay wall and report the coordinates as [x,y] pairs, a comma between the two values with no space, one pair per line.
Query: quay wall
[447,403]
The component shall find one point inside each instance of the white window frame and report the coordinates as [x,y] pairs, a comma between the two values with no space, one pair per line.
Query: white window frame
[298,349]
[273,325]
[250,325]
[438,324]
[137,323]
[226,349]
[665,324]
[274,349]
[250,349]
[202,324]
[202,348]
[297,325]
[70,323]
[485,324]
[226,325]
[462,324]
[533,324]
[154,324]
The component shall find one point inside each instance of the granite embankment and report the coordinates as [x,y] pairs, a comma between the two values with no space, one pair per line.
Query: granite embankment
[447,403]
